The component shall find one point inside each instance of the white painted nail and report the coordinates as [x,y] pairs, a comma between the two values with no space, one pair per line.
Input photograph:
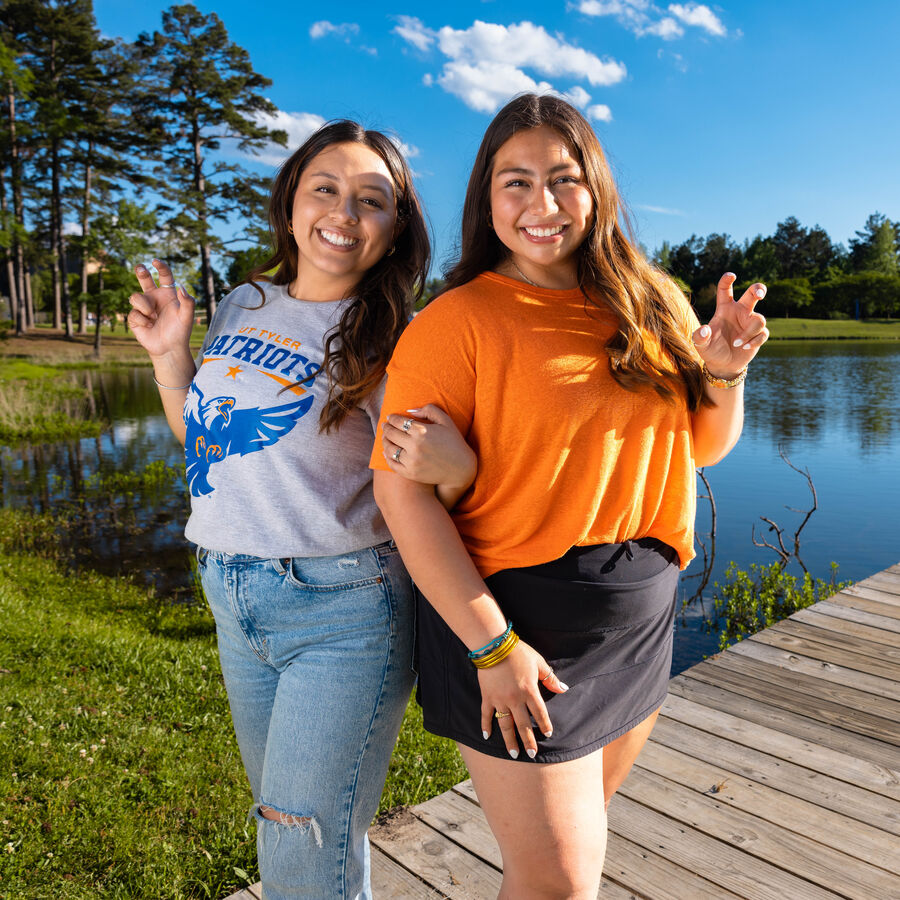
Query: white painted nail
[760,292]
[748,346]
[704,331]
[739,342]
[548,734]
[514,754]
[531,753]
[485,735]
[565,687]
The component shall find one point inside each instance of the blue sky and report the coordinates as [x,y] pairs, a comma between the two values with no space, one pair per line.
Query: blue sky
[716,118]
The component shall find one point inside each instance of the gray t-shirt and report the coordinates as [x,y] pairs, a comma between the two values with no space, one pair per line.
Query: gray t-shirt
[263,480]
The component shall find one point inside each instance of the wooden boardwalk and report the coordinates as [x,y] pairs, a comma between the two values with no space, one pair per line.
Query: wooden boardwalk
[773,774]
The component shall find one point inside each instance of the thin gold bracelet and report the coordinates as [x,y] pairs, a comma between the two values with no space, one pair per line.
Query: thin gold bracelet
[715,381]
[499,654]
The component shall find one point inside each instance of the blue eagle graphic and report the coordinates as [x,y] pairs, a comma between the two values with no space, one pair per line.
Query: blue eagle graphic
[215,429]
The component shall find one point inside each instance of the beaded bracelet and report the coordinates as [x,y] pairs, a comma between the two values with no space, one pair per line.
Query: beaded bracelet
[498,655]
[491,645]
[726,383]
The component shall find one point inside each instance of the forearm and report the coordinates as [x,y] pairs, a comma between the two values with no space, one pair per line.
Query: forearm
[437,559]
[448,494]
[716,429]
[173,373]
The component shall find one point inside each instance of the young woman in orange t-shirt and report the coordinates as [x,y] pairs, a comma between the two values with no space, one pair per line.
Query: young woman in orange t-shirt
[542,238]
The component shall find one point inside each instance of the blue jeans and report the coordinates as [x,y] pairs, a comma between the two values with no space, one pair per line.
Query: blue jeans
[316,654]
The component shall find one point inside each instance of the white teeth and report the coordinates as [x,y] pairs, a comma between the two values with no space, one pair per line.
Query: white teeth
[339,240]
[545,232]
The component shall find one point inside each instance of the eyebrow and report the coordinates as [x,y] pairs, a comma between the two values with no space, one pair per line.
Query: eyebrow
[367,187]
[513,170]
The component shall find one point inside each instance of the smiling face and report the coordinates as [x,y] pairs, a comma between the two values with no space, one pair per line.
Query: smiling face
[343,217]
[541,208]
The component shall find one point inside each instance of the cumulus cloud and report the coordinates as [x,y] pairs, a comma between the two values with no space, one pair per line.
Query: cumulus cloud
[662,210]
[643,17]
[486,64]
[321,29]
[578,96]
[600,112]
[298,125]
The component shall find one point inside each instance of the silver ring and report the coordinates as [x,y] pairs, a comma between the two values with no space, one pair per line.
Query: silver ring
[173,284]
[407,425]
[395,456]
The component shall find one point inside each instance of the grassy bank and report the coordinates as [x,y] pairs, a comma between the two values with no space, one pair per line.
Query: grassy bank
[833,329]
[118,767]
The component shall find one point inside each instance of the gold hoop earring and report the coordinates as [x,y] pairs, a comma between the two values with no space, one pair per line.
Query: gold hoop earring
[290,228]
[391,251]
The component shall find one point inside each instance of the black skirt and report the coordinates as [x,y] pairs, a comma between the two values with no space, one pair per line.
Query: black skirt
[602,616]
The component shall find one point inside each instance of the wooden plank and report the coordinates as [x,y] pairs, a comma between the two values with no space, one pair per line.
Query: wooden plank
[837,765]
[717,861]
[715,695]
[872,640]
[254,892]
[821,826]
[863,598]
[439,862]
[804,642]
[885,582]
[636,869]
[800,663]
[823,866]
[852,614]
[738,680]
[848,800]
[390,881]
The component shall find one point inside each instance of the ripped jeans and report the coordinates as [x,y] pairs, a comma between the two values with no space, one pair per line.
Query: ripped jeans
[316,655]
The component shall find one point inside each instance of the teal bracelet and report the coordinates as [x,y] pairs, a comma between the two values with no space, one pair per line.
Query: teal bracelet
[492,645]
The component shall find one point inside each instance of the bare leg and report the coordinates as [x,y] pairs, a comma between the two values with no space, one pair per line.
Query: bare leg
[549,821]
[619,755]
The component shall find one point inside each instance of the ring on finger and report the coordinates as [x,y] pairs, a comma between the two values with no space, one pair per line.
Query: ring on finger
[501,715]
[407,424]
[547,676]
[173,284]
[395,456]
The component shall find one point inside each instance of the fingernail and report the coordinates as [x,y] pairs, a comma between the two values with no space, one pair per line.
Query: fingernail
[565,687]
[704,331]
[485,735]
[417,409]
[514,754]
[748,346]
[548,734]
[141,266]
[731,274]
[531,753]
[739,342]
[760,292]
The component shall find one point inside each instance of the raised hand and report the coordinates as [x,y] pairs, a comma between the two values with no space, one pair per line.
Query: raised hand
[162,316]
[736,331]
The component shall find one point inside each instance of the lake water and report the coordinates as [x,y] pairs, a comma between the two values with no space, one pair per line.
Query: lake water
[832,407]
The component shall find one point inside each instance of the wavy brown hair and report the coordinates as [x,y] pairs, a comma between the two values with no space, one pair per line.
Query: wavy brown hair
[612,272]
[358,348]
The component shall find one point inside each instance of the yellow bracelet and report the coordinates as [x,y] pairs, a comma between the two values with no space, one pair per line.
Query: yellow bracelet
[715,381]
[499,654]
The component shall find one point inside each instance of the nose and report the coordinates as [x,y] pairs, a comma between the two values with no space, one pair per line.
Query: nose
[345,210]
[544,201]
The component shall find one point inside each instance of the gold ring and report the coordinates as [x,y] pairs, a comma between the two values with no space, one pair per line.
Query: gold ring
[501,715]
[407,425]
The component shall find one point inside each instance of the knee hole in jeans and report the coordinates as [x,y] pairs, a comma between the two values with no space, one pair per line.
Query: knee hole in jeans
[291,820]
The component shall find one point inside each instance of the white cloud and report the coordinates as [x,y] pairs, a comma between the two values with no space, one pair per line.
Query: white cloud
[415,32]
[699,15]
[600,112]
[643,17]
[662,210]
[298,125]
[410,151]
[71,228]
[321,29]
[486,64]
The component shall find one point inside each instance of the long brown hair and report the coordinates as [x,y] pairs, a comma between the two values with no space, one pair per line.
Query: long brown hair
[357,350]
[612,272]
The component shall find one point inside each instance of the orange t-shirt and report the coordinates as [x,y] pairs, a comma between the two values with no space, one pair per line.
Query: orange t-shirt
[565,455]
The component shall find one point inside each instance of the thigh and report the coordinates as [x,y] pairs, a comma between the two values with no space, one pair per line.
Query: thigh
[549,820]
[619,755]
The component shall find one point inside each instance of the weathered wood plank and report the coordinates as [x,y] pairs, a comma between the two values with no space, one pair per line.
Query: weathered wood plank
[436,860]
[863,598]
[822,826]
[841,633]
[804,642]
[802,664]
[716,696]
[853,614]
[885,582]
[254,892]
[838,766]
[390,881]
[717,861]
[823,866]
[744,679]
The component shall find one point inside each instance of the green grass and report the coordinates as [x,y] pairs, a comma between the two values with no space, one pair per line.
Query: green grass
[833,329]
[118,767]
[45,409]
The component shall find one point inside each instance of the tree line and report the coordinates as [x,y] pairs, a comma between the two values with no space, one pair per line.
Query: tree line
[110,153]
[121,138]
[806,273]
